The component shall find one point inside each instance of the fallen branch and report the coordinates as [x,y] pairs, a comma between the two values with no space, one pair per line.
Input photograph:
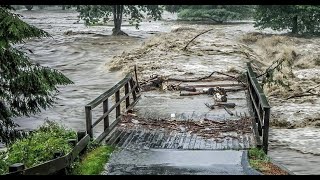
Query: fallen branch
[199,92]
[212,85]
[206,77]
[195,38]
[306,93]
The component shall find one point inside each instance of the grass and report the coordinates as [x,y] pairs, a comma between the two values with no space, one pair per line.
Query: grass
[94,161]
[261,162]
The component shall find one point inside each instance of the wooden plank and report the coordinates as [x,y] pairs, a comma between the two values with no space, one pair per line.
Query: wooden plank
[48,167]
[112,107]
[257,87]
[108,130]
[118,108]
[126,89]
[105,109]
[266,129]
[132,85]
[89,120]
[82,144]
[110,92]
[257,109]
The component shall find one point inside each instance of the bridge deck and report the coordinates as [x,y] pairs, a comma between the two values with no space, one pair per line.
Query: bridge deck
[194,126]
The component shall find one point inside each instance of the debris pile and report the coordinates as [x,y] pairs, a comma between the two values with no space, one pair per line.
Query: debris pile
[205,128]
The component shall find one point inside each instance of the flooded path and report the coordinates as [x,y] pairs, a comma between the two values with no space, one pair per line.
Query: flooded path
[84,54]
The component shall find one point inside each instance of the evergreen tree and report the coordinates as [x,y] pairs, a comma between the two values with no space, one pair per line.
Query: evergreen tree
[25,87]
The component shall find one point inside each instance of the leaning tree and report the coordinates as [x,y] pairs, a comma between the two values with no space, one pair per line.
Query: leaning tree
[25,87]
[93,14]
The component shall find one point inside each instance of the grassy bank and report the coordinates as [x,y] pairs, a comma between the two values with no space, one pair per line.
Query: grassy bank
[261,162]
[93,162]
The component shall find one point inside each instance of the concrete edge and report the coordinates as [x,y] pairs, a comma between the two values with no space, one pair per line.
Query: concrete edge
[281,167]
[246,166]
[250,171]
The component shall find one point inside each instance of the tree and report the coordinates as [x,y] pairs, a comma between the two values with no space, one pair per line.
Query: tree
[216,13]
[92,14]
[25,87]
[29,7]
[297,18]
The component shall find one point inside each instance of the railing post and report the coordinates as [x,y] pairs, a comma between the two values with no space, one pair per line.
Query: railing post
[16,167]
[266,129]
[80,135]
[133,92]
[136,75]
[117,100]
[126,89]
[105,109]
[89,120]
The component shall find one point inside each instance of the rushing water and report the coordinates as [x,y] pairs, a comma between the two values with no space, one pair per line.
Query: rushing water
[82,55]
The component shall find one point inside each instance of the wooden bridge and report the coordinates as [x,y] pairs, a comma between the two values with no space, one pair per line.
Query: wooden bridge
[145,123]
[131,124]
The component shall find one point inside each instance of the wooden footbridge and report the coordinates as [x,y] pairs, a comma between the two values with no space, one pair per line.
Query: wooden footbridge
[143,120]
[141,124]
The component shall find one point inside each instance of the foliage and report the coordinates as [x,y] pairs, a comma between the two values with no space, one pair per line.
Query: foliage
[40,146]
[297,18]
[25,87]
[94,161]
[217,13]
[93,14]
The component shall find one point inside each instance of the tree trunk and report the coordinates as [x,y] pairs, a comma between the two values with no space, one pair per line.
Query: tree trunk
[295,24]
[117,20]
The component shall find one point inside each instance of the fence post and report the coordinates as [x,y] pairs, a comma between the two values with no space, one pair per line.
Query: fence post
[105,109]
[266,129]
[16,167]
[136,75]
[89,120]
[134,91]
[72,142]
[117,100]
[126,89]
[81,134]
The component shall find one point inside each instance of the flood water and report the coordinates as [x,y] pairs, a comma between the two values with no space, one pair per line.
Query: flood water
[83,55]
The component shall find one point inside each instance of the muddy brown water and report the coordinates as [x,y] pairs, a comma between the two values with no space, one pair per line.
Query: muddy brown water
[83,54]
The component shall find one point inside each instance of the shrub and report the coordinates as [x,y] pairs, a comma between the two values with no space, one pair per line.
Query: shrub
[38,147]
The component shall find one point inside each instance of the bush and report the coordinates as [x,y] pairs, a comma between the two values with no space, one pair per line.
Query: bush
[38,147]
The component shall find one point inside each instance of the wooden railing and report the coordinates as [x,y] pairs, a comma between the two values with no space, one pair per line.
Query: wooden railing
[61,162]
[104,99]
[58,163]
[261,109]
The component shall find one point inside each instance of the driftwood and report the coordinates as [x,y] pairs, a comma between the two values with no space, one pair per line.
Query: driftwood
[202,92]
[221,104]
[224,105]
[228,111]
[306,93]
[195,38]
[214,85]
[206,77]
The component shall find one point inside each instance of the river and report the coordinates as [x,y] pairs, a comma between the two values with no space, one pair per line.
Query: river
[83,53]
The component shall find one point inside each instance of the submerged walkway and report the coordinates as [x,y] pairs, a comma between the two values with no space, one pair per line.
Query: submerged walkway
[170,134]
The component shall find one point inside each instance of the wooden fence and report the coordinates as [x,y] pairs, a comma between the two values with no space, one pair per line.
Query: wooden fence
[104,99]
[261,109]
[60,162]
